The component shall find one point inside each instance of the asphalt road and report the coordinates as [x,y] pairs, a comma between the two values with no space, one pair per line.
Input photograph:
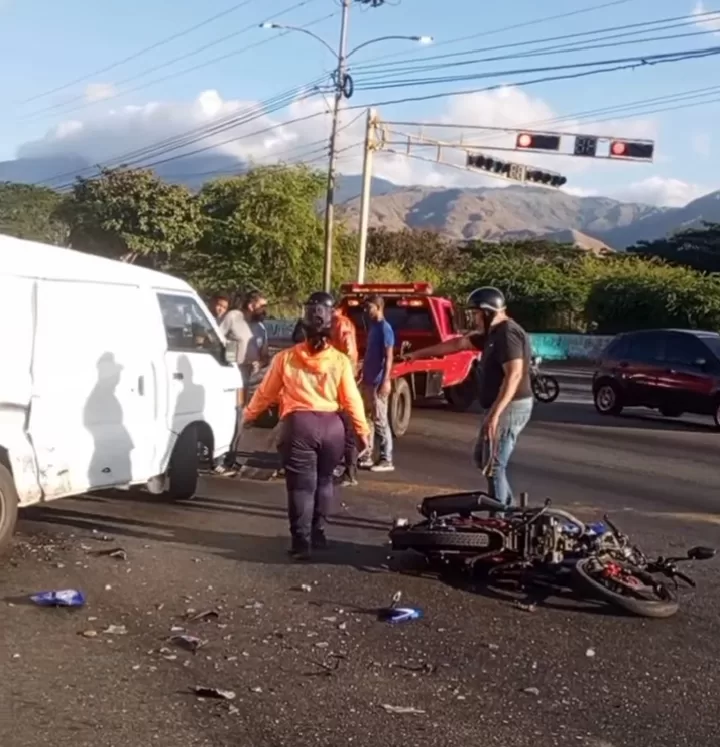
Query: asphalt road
[314,668]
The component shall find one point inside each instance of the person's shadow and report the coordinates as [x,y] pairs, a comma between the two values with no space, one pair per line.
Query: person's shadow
[111,460]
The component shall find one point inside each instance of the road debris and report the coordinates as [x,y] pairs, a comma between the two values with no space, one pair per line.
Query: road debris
[214,692]
[204,615]
[88,633]
[402,710]
[307,588]
[590,653]
[188,642]
[116,552]
[63,598]
[525,607]
[115,630]
[531,691]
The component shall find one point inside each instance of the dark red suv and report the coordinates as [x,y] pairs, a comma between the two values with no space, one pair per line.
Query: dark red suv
[670,370]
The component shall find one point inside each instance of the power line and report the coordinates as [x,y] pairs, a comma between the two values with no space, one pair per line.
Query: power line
[639,62]
[633,28]
[572,47]
[515,26]
[618,65]
[636,60]
[191,136]
[86,104]
[141,52]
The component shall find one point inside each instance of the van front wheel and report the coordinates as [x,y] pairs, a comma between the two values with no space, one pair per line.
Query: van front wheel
[184,465]
[8,508]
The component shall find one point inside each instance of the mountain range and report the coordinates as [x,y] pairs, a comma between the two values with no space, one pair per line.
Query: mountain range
[492,214]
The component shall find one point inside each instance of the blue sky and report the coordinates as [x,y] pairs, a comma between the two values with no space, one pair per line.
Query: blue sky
[46,44]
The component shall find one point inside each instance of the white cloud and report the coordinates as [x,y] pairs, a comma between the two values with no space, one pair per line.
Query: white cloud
[106,136]
[99,91]
[701,144]
[707,22]
[657,190]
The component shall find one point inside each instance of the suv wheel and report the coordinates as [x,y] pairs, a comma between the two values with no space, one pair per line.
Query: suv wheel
[608,399]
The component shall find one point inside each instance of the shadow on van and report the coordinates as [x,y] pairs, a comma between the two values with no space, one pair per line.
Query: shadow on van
[111,460]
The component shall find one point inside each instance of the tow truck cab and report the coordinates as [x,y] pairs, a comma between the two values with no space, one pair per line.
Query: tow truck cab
[419,319]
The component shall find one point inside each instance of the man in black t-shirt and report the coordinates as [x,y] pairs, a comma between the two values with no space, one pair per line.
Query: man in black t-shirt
[504,392]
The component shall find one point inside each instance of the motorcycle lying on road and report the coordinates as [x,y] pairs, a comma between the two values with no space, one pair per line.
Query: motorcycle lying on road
[545,388]
[472,529]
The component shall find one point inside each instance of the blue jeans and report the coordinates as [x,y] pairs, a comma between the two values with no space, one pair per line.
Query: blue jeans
[493,458]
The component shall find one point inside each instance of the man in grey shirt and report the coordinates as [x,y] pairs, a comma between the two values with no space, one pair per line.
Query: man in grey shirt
[244,325]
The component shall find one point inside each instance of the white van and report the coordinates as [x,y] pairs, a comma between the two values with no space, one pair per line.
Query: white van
[112,375]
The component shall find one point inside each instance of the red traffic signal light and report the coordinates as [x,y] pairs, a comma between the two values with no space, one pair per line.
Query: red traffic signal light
[632,149]
[532,141]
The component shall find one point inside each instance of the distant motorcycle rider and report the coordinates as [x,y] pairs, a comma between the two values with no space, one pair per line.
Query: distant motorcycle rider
[505,391]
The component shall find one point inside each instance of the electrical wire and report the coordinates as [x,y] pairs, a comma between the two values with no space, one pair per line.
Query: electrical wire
[629,29]
[190,137]
[575,47]
[86,104]
[635,61]
[141,52]
[513,27]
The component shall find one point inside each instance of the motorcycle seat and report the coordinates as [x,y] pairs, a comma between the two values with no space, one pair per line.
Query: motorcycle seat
[459,503]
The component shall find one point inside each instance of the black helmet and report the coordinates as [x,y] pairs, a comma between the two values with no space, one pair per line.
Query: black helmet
[321,298]
[486,299]
[317,317]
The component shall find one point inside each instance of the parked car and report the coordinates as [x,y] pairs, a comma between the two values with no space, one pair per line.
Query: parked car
[112,375]
[671,370]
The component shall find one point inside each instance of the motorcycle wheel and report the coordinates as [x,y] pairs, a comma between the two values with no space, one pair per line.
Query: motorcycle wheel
[654,600]
[545,388]
[422,538]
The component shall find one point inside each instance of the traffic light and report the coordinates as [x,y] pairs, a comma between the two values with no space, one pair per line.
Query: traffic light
[638,150]
[532,141]
[487,163]
[548,178]
[515,171]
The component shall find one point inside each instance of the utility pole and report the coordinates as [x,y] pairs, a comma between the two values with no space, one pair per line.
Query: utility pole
[370,145]
[330,196]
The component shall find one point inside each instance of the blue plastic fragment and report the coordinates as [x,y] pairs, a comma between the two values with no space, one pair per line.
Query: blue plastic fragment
[399,614]
[63,598]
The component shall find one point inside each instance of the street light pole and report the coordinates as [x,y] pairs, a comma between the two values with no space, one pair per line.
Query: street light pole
[330,195]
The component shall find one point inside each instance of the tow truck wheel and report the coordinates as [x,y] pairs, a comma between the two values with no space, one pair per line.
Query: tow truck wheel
[400,407]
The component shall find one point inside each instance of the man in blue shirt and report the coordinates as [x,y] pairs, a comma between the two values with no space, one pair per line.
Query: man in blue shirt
[376,384]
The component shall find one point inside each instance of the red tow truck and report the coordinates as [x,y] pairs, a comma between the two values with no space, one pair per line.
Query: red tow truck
[419,319]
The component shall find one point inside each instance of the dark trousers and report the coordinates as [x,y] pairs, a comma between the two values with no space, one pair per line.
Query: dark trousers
[311,447]
[351,450]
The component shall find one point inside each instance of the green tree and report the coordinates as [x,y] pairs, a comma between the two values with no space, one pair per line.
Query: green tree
[698,248]
[412,247]
[28,212]
[263,230]
[130,214]
[634,293]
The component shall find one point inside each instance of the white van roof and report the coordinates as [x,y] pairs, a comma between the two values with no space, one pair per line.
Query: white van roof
[35,260]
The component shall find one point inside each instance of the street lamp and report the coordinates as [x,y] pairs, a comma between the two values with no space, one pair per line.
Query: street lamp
[340,80]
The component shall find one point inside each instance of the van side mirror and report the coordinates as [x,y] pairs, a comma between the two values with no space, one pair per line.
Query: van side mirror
[231,352]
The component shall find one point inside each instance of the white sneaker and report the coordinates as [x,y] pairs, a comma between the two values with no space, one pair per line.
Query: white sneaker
[383,466]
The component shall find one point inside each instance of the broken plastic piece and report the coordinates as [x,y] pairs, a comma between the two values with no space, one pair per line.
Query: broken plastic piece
[399,614]
[214,692]
[63,598]
[402,710]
